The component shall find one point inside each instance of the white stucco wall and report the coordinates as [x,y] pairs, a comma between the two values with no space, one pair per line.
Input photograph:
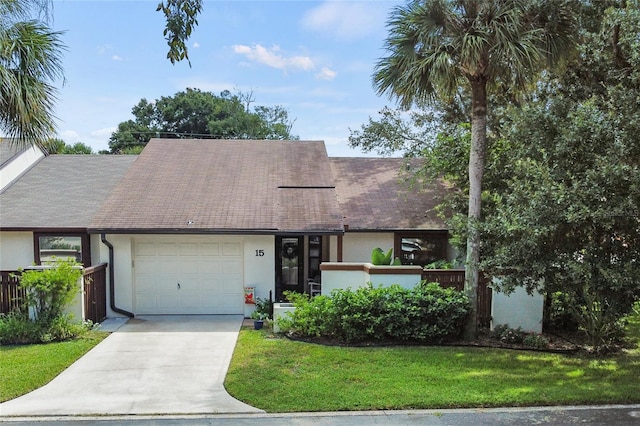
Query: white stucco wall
[404,280]
[356,275]
[332,280]
[259,267]
[357,247]
[18,165]
[16,250]
[123,272]
[518,309]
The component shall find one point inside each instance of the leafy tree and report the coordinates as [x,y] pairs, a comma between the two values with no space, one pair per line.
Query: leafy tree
[567,217]
[438,46]
[30,62]
[560,201]
[181,18]
[197,114]
[58,146]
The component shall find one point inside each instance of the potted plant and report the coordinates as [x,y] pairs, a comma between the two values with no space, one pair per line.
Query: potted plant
[261,313]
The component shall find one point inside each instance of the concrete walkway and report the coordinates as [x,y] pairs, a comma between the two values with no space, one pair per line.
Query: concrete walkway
[150,365]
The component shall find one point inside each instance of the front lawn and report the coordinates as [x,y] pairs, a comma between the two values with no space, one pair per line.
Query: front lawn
[24,368]
[280,375]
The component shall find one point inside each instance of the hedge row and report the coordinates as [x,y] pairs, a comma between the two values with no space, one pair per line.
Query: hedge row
[427,313]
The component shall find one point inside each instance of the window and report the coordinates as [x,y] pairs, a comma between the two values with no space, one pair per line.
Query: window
[421,248]
[49,247]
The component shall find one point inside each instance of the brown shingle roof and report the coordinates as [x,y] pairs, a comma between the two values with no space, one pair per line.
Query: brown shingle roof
[372,196]
[224,186]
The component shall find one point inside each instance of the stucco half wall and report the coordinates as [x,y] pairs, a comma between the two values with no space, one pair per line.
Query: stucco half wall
[339,275]
[243,260]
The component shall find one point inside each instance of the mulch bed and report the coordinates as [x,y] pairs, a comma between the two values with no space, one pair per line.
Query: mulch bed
[557,344]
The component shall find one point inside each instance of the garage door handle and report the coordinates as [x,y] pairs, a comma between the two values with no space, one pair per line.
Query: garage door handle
[178,286]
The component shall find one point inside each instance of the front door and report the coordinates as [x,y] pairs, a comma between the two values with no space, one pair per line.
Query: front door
[289,265]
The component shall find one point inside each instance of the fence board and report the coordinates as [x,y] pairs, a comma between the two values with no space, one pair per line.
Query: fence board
[11,294]
[454,278]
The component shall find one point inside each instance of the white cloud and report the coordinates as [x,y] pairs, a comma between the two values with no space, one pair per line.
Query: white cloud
[274,58]
[106,132]
[347,20]
[196,45]
[326,74]
[116,58]
[104,49]
[70,136]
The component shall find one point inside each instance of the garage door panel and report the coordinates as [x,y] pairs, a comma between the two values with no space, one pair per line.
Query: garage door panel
[210,249]
[189,249]
[167,266]
[167,301]
[145,265]
[232,267]
[149,303]
[146,249]
[211,284]
[189,265]
[167,249]
[209,274]
[191,302]
[189,284]
[211,266]
[230,284]
[146,284]
[167,283]
[231,249]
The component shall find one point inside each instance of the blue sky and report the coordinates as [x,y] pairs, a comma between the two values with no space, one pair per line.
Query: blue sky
[315,58]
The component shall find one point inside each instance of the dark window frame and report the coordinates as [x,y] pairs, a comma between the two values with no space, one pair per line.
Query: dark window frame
[441,236]
[85,244]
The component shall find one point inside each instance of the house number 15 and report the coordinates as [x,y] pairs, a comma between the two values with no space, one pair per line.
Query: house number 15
[259,253]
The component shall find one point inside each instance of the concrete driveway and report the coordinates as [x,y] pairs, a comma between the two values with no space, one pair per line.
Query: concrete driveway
[150,365]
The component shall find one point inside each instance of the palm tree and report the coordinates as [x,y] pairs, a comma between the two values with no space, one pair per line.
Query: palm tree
[437,47]
[30,62]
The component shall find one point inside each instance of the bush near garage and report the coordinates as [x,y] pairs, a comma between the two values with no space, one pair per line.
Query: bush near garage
[49,292]
[427,313]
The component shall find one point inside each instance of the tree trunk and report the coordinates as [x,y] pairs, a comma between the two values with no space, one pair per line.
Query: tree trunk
[476,169]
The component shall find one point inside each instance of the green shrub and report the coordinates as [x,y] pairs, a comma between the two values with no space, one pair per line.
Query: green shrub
[559,315]
[19,329]
[506,334]
[313,317]
[50,290]
[537,341]
[426,313]
[263,309]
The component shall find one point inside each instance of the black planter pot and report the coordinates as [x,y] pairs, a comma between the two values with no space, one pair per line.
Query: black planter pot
[258,324]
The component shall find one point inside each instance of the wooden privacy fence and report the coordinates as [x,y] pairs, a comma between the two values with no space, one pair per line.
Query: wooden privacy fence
[95,292]
[454,278]
[12,296]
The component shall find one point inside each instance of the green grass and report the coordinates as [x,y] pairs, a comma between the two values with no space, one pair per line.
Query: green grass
[279,375]
[24,368]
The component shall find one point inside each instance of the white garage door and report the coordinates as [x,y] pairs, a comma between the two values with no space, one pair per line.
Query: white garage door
[188,277]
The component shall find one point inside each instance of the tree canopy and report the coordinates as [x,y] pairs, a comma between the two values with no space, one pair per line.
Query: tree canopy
[197,114]
[561,196]
[58,146]
[30,64]
[435,47]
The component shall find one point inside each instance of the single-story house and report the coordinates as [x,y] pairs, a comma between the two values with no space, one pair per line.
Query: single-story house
[191,226]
